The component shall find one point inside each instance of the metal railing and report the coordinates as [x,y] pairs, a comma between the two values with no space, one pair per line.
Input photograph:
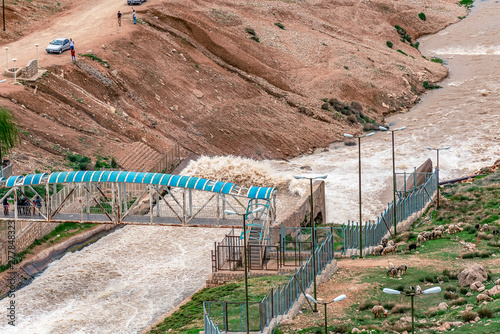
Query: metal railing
[277,302]
[407,203]
[168,162]
[7,171]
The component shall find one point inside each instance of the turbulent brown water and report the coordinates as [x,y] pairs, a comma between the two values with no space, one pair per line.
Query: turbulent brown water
[464,114]
[124,281]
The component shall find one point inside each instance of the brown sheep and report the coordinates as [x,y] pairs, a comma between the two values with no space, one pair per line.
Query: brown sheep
[392,272]
[388,250]
[402,269]
[483,297]
[390,243]
[421,239]
[378,250]
[378,310]
[427,235]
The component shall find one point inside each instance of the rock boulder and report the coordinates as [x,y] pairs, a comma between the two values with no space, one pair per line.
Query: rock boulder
[471,274]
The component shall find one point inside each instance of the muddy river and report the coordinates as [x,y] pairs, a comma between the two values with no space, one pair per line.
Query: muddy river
[126,280]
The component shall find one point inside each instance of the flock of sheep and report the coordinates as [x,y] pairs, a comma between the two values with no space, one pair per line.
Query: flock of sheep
[388,246]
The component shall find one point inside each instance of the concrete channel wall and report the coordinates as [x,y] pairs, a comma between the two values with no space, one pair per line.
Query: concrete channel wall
[301,213]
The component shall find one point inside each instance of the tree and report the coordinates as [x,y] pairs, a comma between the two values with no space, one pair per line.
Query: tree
[8,132]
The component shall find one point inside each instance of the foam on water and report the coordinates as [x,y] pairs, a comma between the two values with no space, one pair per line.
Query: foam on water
[120,284]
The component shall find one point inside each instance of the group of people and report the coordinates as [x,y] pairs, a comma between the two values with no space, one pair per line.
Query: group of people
[119,15]
[25,206]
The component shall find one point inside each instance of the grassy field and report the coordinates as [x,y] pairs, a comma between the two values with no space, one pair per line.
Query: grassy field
[189,318]
[436,263]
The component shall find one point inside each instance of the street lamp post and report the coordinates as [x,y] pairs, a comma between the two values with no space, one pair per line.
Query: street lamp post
[360,215]
[313,226]
[244,215]
[36,45]
[15,70]
[337,299]
[3,7]
[412,294]
[393,175]
[437,169]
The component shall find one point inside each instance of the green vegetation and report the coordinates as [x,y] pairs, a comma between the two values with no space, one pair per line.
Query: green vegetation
[78,162]
[437,60]
[430,85]
[422,16]
[189,317]
[8,131]
[94,57]
[438,263]
[60,232]
[389,44]
[250,31]
[279,25]
[467,3]
[402,52]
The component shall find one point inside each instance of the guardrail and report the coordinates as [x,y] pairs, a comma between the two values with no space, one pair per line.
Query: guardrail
[231,316]
[408,203]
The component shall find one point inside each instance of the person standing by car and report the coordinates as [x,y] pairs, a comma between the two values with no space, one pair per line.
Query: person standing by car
[73,55]
[133,15]
[71,44]
[119,15]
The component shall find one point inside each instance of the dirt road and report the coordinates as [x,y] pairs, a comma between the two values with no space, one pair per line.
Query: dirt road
[89,23]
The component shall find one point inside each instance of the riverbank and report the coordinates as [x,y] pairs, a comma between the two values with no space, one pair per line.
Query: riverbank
[40,256]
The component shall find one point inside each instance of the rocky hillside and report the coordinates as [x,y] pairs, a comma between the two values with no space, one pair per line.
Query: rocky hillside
[264,79]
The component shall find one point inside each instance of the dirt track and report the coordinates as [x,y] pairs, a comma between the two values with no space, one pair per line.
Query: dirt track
[89,23]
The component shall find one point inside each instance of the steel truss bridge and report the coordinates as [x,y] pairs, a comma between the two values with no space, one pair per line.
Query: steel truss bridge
[133,198]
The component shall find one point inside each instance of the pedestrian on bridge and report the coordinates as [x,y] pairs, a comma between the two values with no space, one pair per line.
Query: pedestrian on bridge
[38,203]
[5,206]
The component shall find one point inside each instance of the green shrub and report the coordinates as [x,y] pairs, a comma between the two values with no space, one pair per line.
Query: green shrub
[367,304]
[450,288]
[280,25]
[400,309]
[463,290]
[422,16]
[437,60]
[250,31]
[450,295]
[352,118]
[389,44]
[467,3]
[469,316]
[325,106]
[458,301]
[401,51]
[255,38]
[388,305]
[485,313]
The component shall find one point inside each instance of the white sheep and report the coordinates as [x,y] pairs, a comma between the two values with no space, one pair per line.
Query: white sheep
[378,250]
[421,239]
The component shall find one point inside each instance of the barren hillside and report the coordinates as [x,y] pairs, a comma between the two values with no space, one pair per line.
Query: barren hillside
[262,79]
